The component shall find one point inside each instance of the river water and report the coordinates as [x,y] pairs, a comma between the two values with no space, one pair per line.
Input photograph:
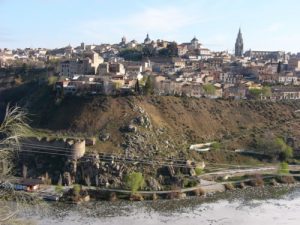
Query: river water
[252,206]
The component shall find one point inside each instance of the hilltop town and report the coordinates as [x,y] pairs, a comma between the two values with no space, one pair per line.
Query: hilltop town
[164,111]
[186,69]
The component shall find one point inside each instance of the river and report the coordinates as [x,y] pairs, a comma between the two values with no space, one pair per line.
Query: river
[251,206]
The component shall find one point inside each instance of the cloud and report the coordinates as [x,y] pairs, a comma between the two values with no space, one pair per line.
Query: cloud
[218,41]
[165,22]
[161,20]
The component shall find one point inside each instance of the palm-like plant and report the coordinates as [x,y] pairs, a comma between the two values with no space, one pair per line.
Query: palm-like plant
[13,128]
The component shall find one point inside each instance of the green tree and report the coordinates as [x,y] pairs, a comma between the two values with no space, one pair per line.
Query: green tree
[216,146]
[285,151]
[172,49]
[149,51]
[134,181]
[148,88]
[209,89]
[283,168]
[52,80]
[266,91]
[13,129]
[76,190]
[131,54]
[137,88]
[59,189]
[256,93]
[275,147]
[198,171]
[279,67]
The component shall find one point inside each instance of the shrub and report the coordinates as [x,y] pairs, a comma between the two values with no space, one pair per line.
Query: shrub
[283,168]
[242,185]
[273,182]
[52,80]
[198,171]
[59,189]
[229,186]
[134,181]
[285,150]
[209,89]
[189,183]
[148,88]
[175,193]
[257,181]
[286,179]
[274,147]
[216,146]
[198,192]
[76,189]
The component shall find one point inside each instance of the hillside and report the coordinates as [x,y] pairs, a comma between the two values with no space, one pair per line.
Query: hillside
[157,125]
[167,124]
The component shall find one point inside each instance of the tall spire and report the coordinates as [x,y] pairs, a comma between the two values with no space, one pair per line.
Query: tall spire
[239,44]
[147,39]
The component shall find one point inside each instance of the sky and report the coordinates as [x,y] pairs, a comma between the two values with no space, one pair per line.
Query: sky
[265,24]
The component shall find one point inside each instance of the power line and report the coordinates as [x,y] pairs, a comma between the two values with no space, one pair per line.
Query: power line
[129,161]
[61,151]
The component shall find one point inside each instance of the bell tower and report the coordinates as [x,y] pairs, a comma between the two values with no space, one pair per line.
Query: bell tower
[239,45]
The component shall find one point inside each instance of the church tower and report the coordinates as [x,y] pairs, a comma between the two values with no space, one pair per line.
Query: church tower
[239,45]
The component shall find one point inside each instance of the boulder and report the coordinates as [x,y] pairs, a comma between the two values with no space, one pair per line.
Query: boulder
[154,184]
[192,172]
[67,179]
[104,137]
[90,141]
[171,171]
[113,197]
[136,197]
[129,128]
[143,121]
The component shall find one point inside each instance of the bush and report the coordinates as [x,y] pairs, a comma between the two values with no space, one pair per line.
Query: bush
[257,181]
[175,192]
[216,146]
[209,89]
[189,183]
[229,186]
[283,168]
[274,147]
[255,93]
[59,189]
[52,80]
[242,185]
[76,190]
[198,192]
[273,182]
[286,179]
[285,150]
[134,181]
[148,88]
[198,171]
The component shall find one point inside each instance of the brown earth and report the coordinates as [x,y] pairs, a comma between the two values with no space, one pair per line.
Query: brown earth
[176,122]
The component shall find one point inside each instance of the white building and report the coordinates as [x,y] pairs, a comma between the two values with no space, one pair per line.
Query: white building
[288,79]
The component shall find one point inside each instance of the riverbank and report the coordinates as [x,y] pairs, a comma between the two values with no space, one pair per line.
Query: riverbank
[247,206]
[204,189]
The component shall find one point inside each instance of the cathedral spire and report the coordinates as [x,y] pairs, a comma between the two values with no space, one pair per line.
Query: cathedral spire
[239,44]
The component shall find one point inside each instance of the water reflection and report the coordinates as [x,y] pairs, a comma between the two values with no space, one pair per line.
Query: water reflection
[251,206]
